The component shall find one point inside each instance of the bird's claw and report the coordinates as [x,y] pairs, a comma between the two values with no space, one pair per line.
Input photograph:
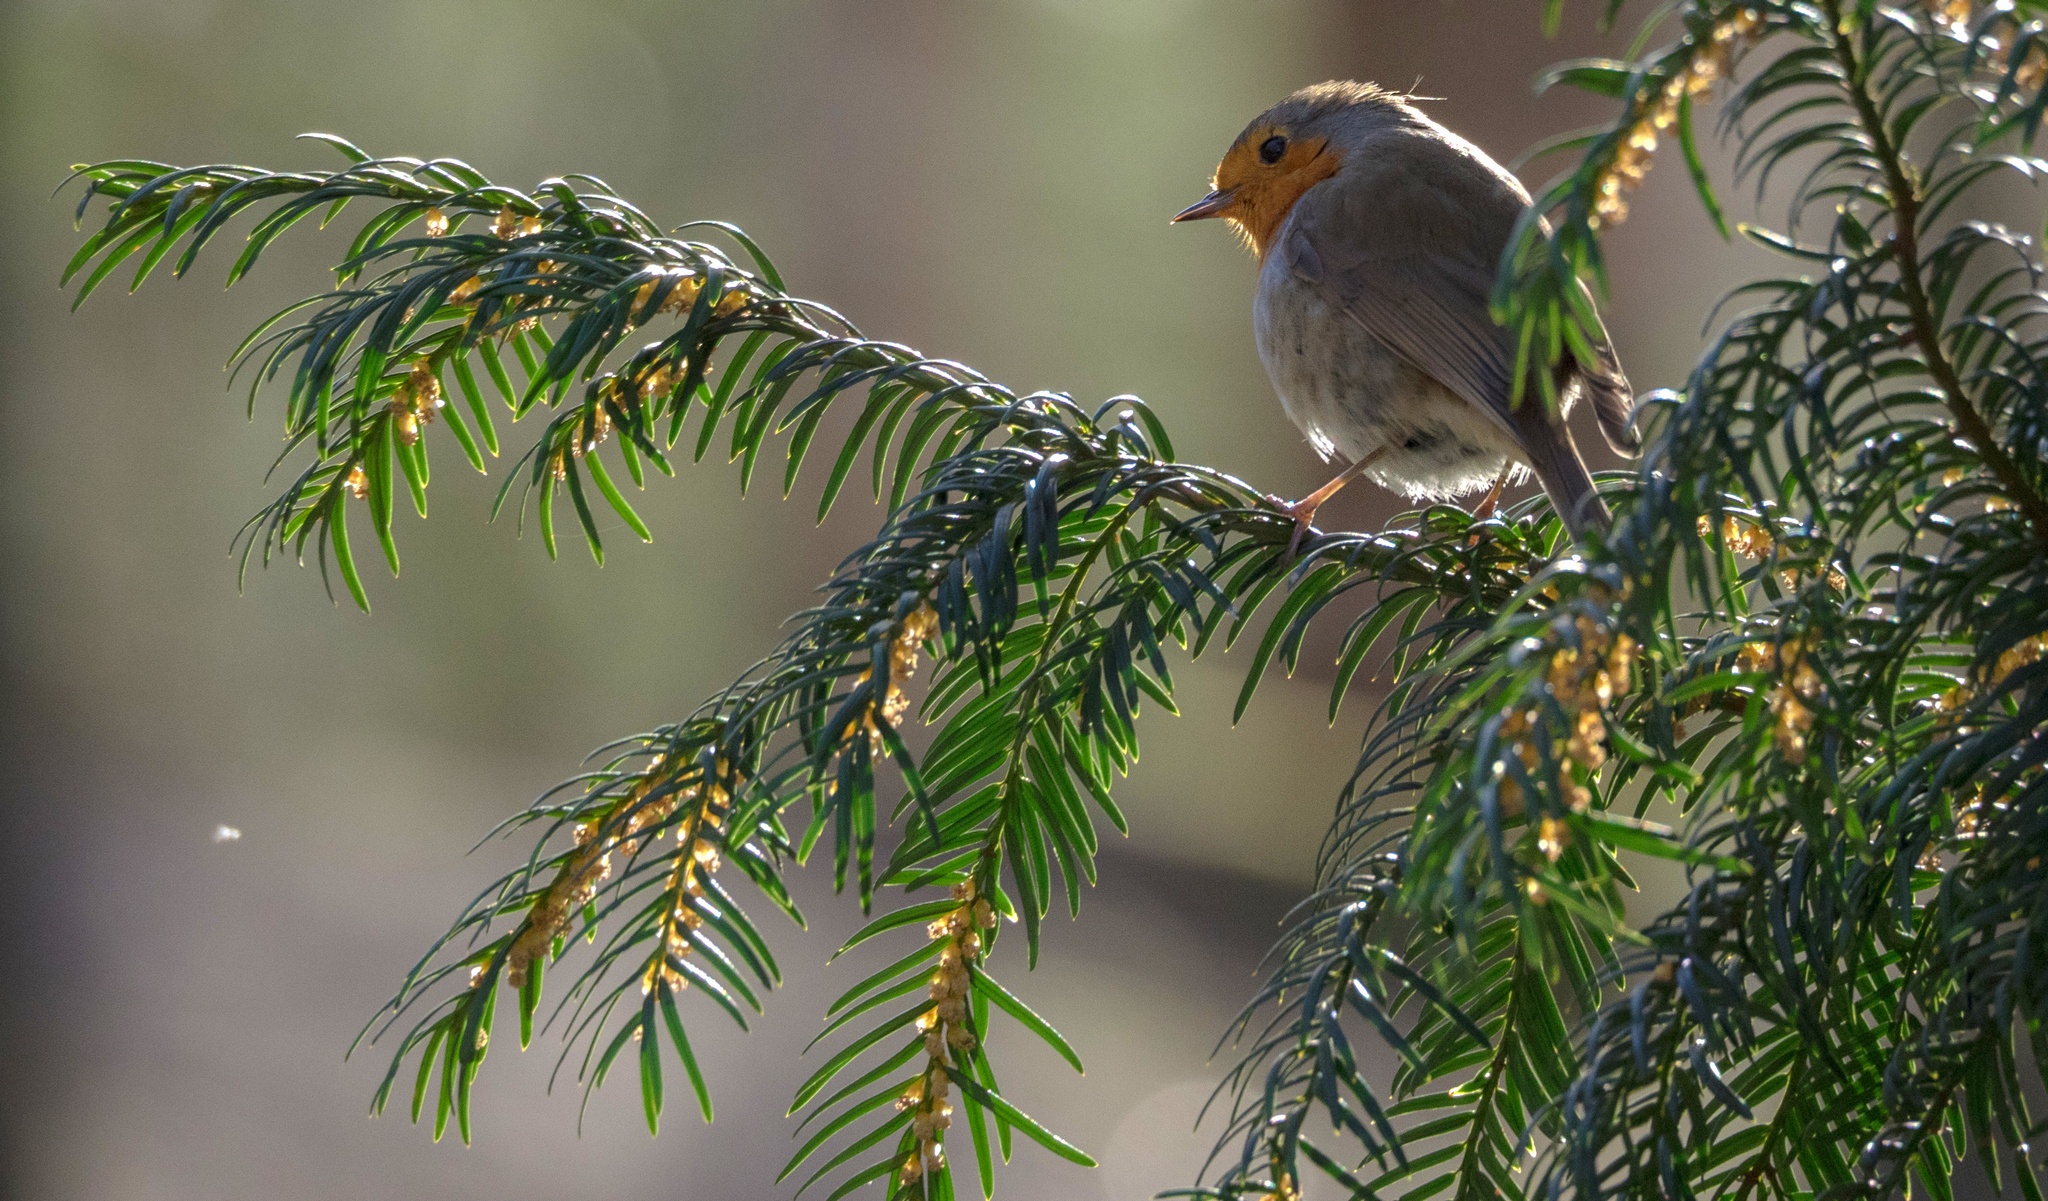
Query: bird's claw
[1304,513]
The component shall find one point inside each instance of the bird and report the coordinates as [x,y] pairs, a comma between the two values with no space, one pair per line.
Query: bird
[1379,233]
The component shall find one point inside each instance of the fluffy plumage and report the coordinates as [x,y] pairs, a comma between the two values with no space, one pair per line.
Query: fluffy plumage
[1379,233]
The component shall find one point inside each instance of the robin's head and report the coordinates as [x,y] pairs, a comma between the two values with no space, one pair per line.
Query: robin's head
[1285,151]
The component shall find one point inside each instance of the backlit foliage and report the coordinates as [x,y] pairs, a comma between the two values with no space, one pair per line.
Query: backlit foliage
[1807,665]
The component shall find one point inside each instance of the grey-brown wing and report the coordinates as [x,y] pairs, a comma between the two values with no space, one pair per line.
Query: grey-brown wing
[1429,305]
[1415,265]
[1429,308]
[1608,391]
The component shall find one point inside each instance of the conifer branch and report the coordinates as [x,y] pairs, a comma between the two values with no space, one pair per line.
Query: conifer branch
[1815,646]
[1903,194]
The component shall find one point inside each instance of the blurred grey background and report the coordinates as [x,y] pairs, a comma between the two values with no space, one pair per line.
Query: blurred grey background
[989,182]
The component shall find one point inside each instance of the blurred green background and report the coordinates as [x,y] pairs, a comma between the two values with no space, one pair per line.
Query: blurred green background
[989,182]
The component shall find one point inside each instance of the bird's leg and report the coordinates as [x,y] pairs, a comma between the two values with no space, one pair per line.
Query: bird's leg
[1486,507]
[1304,510]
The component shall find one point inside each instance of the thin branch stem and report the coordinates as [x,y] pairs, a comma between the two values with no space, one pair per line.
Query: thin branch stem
[1970,425]
[1472,1183]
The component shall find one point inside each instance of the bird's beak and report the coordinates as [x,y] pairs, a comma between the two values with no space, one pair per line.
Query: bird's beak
[1215,204]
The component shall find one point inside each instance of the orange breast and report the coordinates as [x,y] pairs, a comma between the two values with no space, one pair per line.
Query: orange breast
[1266,200]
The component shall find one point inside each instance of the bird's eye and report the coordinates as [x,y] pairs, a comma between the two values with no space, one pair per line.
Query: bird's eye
[1271,149]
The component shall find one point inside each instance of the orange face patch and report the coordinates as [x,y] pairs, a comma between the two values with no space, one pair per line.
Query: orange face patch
[1264,193]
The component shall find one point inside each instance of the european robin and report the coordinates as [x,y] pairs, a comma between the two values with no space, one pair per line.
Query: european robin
[1378,234]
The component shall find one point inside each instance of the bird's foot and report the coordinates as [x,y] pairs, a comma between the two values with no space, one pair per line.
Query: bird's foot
[1303,512]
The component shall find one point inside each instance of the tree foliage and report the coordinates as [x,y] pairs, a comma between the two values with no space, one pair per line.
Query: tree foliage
[1807,664]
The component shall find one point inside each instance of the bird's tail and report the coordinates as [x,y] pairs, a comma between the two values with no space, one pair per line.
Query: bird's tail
[1554,457]
[1570,487]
